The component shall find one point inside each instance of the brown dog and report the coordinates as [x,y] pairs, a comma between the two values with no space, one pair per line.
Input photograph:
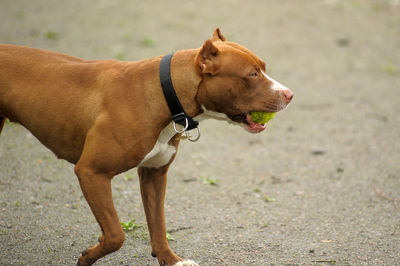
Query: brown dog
[107,117]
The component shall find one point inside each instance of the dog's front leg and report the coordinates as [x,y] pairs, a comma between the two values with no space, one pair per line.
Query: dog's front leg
[97,190]
[153,182]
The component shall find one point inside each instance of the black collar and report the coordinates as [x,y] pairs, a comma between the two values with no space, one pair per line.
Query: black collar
[178,115]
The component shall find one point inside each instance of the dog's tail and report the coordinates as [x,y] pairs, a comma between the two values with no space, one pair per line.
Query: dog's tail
[2,120]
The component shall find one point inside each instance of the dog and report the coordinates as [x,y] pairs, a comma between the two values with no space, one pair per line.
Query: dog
[108,116]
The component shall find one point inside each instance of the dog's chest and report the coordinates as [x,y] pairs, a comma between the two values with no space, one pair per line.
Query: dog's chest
[162,152]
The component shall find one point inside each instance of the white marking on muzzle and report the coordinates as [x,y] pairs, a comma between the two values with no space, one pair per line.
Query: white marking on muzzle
[275,84]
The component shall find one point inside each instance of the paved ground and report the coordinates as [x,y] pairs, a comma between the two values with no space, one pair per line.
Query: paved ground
[330,161]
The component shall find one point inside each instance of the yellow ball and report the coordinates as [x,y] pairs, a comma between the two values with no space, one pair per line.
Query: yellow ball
[261,117]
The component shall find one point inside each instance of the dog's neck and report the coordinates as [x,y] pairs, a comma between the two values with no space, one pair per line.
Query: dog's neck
[186,79]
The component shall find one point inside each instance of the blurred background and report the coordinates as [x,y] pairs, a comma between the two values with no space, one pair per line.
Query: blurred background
[320,187]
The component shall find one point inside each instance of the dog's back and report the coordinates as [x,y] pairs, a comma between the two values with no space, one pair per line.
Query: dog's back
[59,97]
[38,90]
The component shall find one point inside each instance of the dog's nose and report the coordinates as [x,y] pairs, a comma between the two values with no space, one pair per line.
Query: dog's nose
[287,95]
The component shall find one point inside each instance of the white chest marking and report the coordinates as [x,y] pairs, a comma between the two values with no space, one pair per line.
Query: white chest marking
[207,114]
[161,153]
[186,263]
[211,114]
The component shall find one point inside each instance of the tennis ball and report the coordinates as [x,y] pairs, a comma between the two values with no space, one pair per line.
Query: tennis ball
[261,117]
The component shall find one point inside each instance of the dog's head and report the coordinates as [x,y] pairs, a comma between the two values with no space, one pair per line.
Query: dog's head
[234,83]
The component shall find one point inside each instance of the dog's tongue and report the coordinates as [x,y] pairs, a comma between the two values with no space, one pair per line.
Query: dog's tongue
[253,127]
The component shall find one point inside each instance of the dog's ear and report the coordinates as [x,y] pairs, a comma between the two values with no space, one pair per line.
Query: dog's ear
[217,36]
[207,58]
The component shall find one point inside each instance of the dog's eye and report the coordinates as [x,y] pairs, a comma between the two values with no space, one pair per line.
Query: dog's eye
[254,74]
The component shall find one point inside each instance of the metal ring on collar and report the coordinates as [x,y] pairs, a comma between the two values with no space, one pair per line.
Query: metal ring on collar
[184,129]
[195,139]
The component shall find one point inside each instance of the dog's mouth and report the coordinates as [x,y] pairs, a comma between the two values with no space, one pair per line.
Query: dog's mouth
[252,126]
[247,123]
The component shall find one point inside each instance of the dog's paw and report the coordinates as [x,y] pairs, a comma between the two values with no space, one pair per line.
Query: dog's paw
[186,263]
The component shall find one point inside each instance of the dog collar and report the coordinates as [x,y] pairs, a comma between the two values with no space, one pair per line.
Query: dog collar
[178,115]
